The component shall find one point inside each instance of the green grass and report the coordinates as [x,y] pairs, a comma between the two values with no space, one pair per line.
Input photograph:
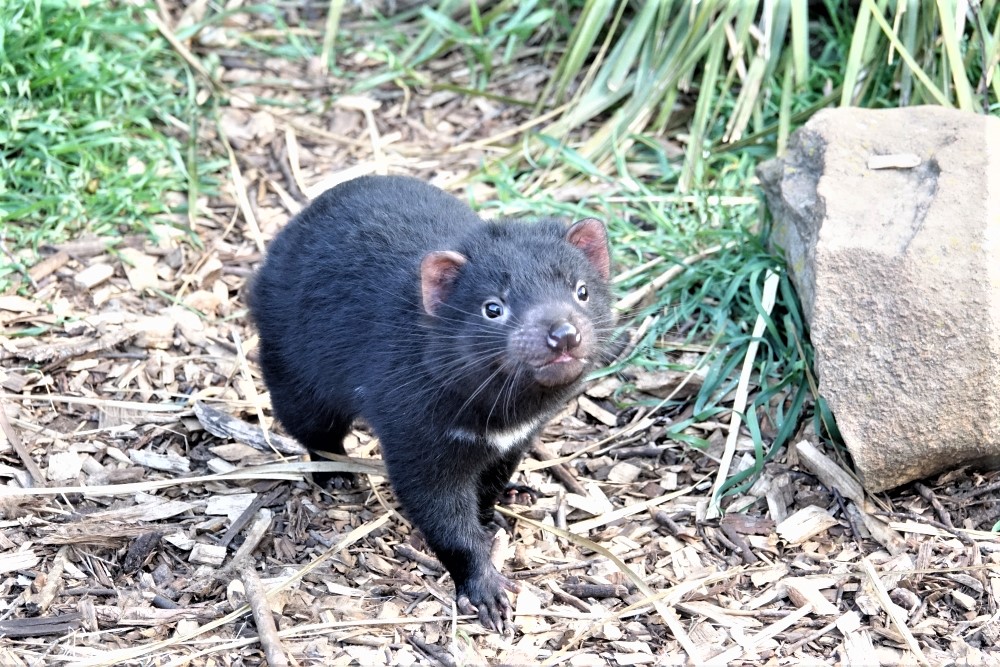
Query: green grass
[96,120]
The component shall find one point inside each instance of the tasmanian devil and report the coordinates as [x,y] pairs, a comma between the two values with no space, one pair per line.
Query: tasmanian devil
[454,338]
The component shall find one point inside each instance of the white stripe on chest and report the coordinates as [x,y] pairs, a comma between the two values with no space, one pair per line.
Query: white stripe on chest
[501,439]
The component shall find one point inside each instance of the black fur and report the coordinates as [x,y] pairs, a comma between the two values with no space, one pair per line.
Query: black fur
[344,332]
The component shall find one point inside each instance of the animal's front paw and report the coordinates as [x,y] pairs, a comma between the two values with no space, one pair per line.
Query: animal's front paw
[486,597]
[518,494]
[335,480]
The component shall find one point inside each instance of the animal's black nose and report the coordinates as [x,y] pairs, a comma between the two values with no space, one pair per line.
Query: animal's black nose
[563,336]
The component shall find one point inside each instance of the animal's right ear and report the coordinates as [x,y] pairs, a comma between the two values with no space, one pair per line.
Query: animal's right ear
[438,271]
[590,236]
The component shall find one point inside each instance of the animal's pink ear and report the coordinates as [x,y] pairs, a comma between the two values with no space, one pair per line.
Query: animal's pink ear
[438,271]
[590,236]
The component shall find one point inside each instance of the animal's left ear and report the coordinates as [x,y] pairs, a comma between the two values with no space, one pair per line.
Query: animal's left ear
[590,236]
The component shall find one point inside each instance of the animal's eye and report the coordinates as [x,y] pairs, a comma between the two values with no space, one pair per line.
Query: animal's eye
[581,291]
[492,309]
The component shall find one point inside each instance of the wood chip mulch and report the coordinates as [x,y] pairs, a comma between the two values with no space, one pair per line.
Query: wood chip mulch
[199,539]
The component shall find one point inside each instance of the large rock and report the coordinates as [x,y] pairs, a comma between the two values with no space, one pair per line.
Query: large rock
[898,270]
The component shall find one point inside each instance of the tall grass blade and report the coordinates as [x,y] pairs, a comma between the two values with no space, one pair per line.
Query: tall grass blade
[330,33]
[800,40]
[699,123]
[775,28]
[991,51]
[419,44]
[637,34]
[908,58]
[746,102]
[739,41]
[911,11]
[580,43]
[852,72]
[953,53]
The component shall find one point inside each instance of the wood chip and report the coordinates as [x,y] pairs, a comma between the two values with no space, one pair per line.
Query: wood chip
[257,531]
[14,439]
[675,384]
[207,554]
[529,609]
[780,494]
[230,506]
[167,462]
[967,602]
[156,333]
[857,648]
[18,304]
[203,301]
[624,473]
[880,531]
[156,509]
[357,103]
[594,503]
[236,452]
[829,472]
[75,347]
[180,540]
[897,616]
[687,564]
[150,616]
[604,388]
[140,269]
[14,382]
[223,425]
[718,615]
[63,466]
[94,275]
[18,560]
[597,412]
[804,524]
[769,576]
[804,591]
[49,265]
[209,272]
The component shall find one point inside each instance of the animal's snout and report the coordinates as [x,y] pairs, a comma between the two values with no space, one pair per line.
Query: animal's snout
[563,336]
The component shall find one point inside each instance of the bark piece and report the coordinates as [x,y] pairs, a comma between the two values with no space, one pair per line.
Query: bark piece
[14,628]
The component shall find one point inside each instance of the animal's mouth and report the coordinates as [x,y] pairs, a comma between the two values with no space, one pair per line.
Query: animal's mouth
[561,358]
[560,370]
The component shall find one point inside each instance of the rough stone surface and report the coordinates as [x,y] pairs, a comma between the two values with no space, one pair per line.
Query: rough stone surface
[898,270]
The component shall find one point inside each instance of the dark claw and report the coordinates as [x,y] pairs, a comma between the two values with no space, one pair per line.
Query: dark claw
[518,494]
[495,522]
[465,606]
[335,480]
[487,599]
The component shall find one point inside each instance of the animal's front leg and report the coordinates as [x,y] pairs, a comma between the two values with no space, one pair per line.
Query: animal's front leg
[495,486]
[444,505]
